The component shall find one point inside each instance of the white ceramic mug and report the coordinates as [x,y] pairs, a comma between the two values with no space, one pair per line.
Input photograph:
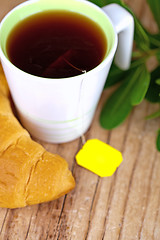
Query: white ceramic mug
[61,110]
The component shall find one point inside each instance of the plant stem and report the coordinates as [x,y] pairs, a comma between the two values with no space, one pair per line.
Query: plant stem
[139,54]
[154,115]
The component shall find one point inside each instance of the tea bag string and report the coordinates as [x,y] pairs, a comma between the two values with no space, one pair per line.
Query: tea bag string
[80,97]
[81,70]
[81,104]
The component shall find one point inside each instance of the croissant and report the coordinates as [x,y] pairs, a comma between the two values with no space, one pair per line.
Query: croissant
[28,173]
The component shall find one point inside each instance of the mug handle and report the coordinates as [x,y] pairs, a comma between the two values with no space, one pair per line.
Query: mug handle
[124,25]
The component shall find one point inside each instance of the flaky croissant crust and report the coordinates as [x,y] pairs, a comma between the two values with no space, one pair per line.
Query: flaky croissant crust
[28,173]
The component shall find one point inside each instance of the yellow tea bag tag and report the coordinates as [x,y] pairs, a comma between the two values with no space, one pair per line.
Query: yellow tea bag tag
[99,157]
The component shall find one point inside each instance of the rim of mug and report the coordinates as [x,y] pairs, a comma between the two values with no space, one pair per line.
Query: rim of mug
[107,58]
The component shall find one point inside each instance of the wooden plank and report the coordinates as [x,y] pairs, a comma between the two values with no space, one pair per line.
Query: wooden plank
[124,176]
[7,5]
[125,206]
[84,194]
[139,191]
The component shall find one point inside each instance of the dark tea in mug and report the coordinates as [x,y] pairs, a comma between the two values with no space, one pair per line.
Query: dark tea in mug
[56,44]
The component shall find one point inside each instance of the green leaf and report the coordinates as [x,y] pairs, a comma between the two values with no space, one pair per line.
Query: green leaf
[158,140]
[154,40]
[153,92]
[115,75]
[155,8]
[100,3]
[158,82]
[116,109]
[158,56]
[154,115]
[119,105]
[155,44]
[120,2]
[140,36]
[141,86]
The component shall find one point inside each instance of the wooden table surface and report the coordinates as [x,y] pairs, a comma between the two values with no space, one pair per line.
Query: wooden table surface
[125,206]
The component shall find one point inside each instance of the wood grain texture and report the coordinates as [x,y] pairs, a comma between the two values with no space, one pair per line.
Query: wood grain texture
[125,206]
